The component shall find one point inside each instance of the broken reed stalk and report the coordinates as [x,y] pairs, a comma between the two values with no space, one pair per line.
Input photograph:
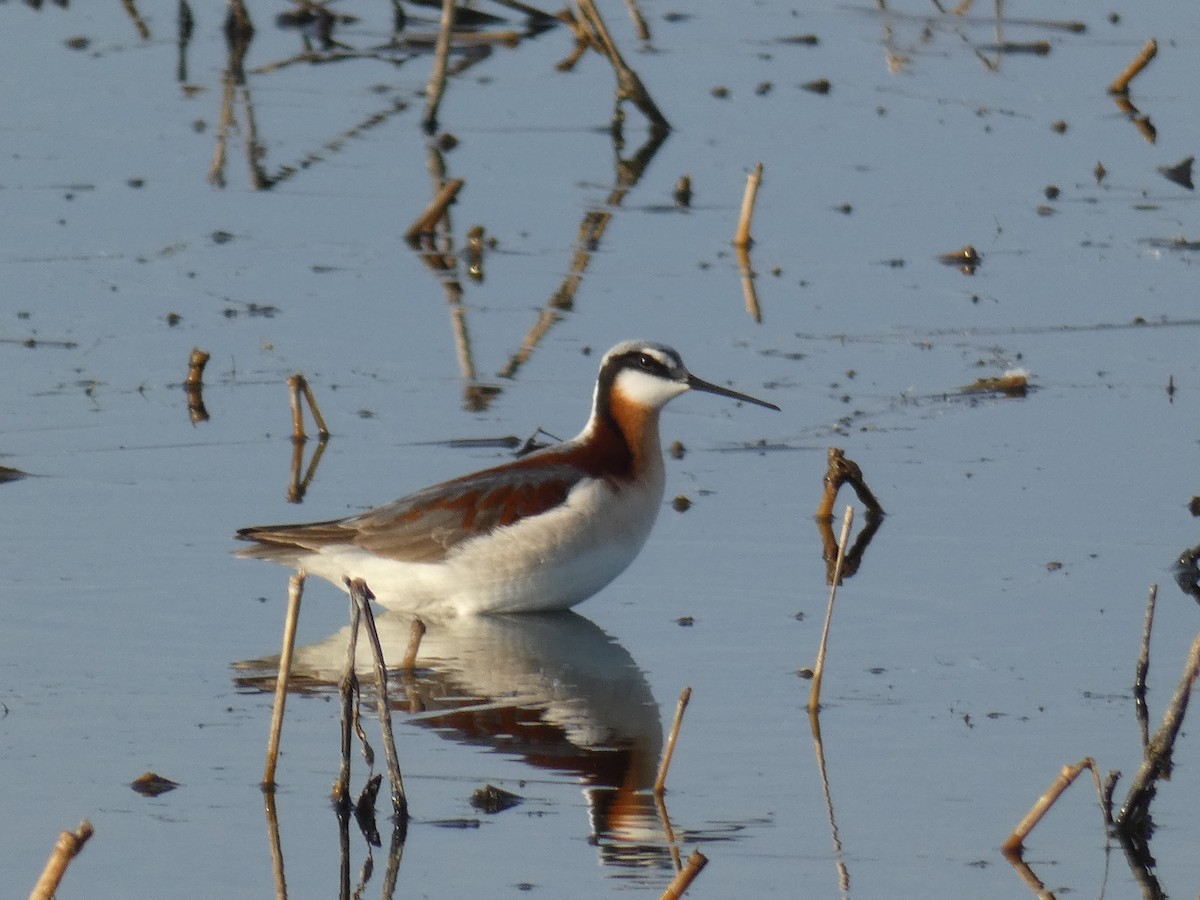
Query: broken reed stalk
[753,180]
[629,86]
[68,847]
[295,592]
[196,363]
[298,385]
[684,877]
[1156,762]
[814,696]
[193,386]
[1015,842]
[437,78]
[416,631]
[838,471]
[425,222]
[660,783]
[1120,84]
[362,596]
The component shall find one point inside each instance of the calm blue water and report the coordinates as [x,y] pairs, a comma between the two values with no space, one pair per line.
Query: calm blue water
[964,670]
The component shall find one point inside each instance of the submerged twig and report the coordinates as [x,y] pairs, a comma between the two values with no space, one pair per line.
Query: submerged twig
[68,847]
[295,592]
[742,237]
[814,696]
[660,783]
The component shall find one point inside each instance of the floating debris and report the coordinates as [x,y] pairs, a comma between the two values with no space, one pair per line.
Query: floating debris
[683,192]
[817,86]
[1180,173]
[966,259]
[492,800]
[7,474]
[1036,48]
[681,504]
[151,784]
[1013,383]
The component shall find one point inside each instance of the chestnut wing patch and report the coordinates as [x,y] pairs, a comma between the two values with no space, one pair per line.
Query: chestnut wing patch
[427,525]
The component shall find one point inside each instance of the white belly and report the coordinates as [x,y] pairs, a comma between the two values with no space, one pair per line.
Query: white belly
[547,562]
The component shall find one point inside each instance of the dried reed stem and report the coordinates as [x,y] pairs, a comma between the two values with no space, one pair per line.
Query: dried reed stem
[68,847]
[1156,762]
[753,180]
[629,86]
[193,386]
[660,783]
[1013,846]
[297,386]
[814,696]
[1120,84]
[196,363]
[295,592]
[684,878]
[437,78]
[1143,669]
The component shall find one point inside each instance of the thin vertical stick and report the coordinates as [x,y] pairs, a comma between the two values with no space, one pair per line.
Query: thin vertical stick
[362,596]
[68,847]
[1143,669]
[295,591]
[683,880]
[753,180]
[322,428]
[814,697]
[294,382]
[661,782]
[437,78]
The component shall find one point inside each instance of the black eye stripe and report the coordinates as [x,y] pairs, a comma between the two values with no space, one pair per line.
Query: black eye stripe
[647,363]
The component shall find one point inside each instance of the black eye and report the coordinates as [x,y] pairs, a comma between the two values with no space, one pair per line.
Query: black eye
[647,362]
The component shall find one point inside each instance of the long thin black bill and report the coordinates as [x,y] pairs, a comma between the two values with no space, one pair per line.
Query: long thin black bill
[699,384]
